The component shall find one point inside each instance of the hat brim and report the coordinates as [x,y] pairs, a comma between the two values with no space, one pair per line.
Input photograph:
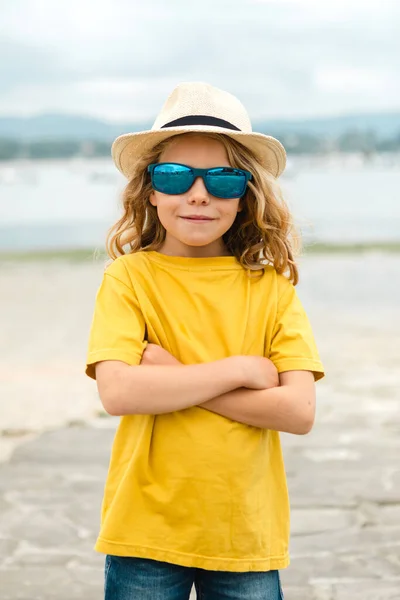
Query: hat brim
[127,148]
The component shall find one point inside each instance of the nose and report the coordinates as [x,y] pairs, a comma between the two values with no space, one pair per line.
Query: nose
[198,195]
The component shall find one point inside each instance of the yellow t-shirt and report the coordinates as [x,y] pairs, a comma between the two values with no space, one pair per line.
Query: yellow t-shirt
[191,487]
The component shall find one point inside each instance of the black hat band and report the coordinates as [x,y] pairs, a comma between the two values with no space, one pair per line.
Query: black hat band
[201,120]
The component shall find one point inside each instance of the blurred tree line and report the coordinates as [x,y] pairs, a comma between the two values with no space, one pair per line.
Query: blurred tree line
[365,142]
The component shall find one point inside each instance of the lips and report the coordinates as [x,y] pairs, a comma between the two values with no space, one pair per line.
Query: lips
[197,218]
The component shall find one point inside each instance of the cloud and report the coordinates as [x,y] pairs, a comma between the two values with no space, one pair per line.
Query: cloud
[22,64]
[120,58]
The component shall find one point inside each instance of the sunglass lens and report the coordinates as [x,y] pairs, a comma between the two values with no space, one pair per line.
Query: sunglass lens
[226,182]
[172,179]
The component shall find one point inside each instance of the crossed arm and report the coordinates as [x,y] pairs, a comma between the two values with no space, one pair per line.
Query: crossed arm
[289,407]
[284,402]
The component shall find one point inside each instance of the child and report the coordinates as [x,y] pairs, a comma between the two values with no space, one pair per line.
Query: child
[196,295]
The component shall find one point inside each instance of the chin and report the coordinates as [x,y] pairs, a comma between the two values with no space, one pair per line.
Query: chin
[198,241]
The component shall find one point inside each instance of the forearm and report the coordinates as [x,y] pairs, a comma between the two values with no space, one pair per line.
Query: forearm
[162,389]
[278,408]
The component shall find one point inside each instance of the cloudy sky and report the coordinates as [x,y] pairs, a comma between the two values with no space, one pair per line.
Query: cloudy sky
[119,59]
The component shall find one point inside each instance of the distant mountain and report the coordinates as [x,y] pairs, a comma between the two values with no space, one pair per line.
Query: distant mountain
[67,127]
[382,124]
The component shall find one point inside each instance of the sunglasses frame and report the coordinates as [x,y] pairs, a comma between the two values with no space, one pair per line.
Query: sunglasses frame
[199,173]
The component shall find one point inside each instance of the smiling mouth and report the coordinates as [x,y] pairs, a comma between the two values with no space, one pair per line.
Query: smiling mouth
[197,218]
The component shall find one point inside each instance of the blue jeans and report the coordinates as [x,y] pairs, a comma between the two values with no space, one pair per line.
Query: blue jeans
[144,579]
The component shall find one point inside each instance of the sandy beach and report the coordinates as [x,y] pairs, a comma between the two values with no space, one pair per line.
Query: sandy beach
[46,310]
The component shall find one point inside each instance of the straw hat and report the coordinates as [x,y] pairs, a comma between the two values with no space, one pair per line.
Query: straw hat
[199,107]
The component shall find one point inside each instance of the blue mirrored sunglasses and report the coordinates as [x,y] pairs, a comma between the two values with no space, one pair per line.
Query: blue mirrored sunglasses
[221,182]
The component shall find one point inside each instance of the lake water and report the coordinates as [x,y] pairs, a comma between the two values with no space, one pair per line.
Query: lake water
[71,204]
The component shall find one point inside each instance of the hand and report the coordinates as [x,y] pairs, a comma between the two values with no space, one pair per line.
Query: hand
[155,355]
[259,373]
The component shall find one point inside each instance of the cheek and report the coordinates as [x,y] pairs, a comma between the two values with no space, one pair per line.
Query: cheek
[230,209]
[167,207]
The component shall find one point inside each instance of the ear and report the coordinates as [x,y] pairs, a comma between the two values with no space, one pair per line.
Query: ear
[153,199]
[240,205]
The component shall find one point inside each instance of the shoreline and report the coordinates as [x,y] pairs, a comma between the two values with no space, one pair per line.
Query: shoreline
[98,255]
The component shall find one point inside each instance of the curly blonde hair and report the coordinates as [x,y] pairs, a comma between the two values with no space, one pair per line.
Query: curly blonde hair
[263,232]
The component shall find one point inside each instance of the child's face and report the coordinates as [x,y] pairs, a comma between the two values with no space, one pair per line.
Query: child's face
[190,237]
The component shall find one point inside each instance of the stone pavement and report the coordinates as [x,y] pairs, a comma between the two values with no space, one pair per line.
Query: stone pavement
[345,495]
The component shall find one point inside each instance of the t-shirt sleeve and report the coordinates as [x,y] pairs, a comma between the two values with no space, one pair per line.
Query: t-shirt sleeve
[118,327]
[293,346]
